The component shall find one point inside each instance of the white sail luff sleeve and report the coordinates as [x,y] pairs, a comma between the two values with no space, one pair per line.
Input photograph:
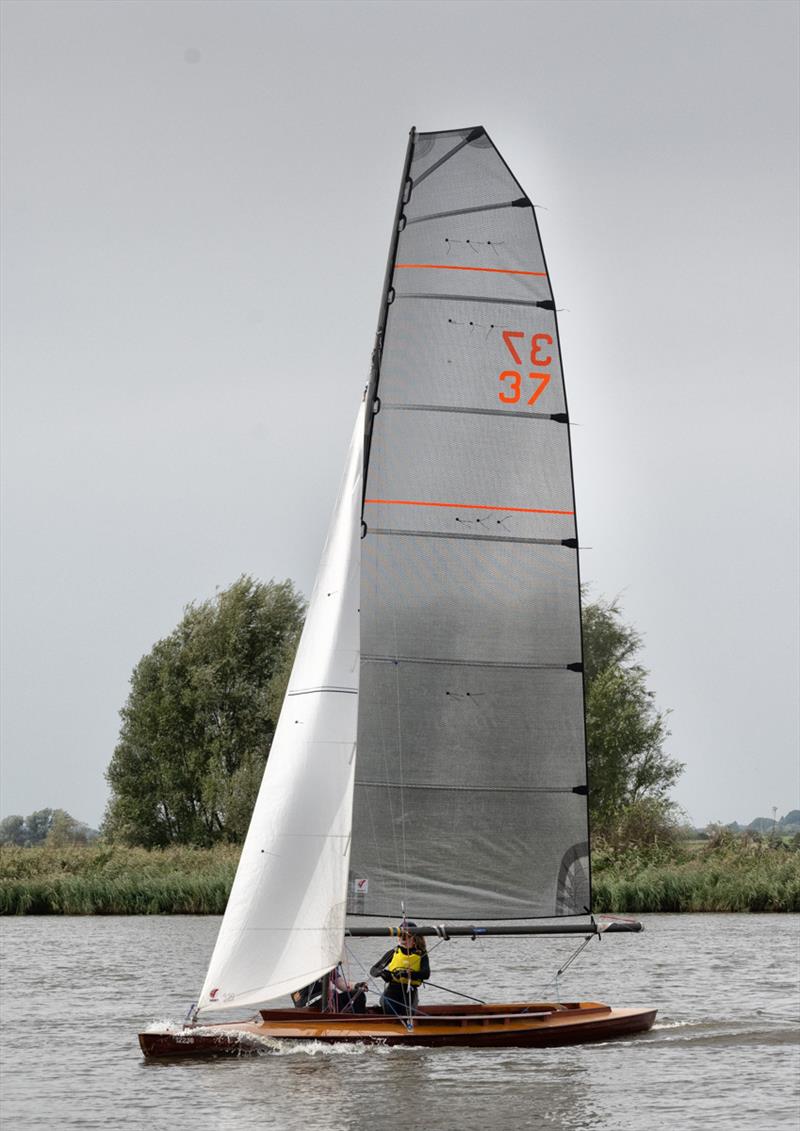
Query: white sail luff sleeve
[284,923]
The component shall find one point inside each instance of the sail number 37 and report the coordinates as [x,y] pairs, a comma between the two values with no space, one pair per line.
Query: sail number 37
[511,391]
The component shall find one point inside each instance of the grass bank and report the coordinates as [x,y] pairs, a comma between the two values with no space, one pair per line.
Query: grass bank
[113,880]
[744,876]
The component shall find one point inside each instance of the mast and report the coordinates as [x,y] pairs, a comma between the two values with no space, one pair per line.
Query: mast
[387,297]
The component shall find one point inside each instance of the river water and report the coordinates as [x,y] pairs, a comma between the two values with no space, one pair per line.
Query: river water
[725,1051]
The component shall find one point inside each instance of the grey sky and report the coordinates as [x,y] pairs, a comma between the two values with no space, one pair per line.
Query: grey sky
[197,204]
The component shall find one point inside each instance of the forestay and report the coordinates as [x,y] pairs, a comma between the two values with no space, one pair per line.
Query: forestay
[284,923]
[470,797]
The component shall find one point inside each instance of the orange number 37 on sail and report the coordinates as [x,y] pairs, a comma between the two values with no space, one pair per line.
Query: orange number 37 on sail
[511,391]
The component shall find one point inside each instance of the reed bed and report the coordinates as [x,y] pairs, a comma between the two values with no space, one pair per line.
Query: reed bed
[104,879]
[767,879]
[115,880]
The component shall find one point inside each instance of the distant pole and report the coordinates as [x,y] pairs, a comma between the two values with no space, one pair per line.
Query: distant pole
[775,820]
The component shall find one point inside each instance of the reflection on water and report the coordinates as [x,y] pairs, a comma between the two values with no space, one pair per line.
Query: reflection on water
[724,1049]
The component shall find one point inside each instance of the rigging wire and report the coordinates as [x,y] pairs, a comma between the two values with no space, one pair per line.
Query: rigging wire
[457,993]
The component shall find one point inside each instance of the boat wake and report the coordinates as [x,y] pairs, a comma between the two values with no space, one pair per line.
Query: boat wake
[286,1047]
[723,1033]
[255,1044]
[167,1025]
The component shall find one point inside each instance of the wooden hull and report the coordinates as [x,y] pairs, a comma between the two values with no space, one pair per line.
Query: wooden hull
[516,1024]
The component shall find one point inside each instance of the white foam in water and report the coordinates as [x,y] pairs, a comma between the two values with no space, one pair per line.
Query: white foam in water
[277,1046]
[289,1047]
[165,1026]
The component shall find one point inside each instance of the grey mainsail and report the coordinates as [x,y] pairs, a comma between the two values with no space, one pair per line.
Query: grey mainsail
[470,797]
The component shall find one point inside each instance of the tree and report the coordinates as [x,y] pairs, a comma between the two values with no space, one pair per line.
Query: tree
[64,830]
[54,827]
[630,774]
[12,829]
[198,723]
[37,826]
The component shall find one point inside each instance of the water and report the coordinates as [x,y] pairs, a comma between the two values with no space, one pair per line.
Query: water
[725,1050]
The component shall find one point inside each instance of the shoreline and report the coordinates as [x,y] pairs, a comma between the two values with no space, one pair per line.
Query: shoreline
[102,879]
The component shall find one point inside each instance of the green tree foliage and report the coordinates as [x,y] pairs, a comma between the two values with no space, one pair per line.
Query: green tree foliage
[44,826]
[630,774]
[65,830]
[12,829]
[38,825]
[199,720]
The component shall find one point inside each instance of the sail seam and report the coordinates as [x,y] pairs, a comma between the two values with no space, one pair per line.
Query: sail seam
[465,506]
[473,537]
[545,305]
[460,267]
[470,411]
[315,690]
[313,836]
[463,211]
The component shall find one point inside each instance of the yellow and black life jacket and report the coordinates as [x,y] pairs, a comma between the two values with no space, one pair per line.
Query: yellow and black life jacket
[405,966]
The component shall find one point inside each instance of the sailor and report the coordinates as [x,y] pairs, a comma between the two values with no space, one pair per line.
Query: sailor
[404,968]
[343,997]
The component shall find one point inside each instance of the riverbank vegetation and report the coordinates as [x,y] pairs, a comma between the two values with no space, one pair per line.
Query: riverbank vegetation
[195,737]
[722,874]
[105,879]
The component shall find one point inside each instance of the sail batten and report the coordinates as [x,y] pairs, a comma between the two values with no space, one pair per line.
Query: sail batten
[449,661]
[498,300]
[470,136]
[568,542]
[474,789]
[521,202]
[469,411]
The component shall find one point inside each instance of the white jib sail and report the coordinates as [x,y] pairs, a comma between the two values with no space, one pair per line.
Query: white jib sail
[284,923]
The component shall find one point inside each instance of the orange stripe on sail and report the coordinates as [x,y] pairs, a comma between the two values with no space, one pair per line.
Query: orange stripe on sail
[455,267]
[464,506]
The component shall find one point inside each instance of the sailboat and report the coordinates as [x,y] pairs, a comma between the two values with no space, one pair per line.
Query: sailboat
[430,756]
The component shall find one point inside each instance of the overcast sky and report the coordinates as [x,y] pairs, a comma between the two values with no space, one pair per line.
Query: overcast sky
[197,205]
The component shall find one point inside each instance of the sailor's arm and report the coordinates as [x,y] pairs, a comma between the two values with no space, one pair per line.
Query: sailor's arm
[379,969]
